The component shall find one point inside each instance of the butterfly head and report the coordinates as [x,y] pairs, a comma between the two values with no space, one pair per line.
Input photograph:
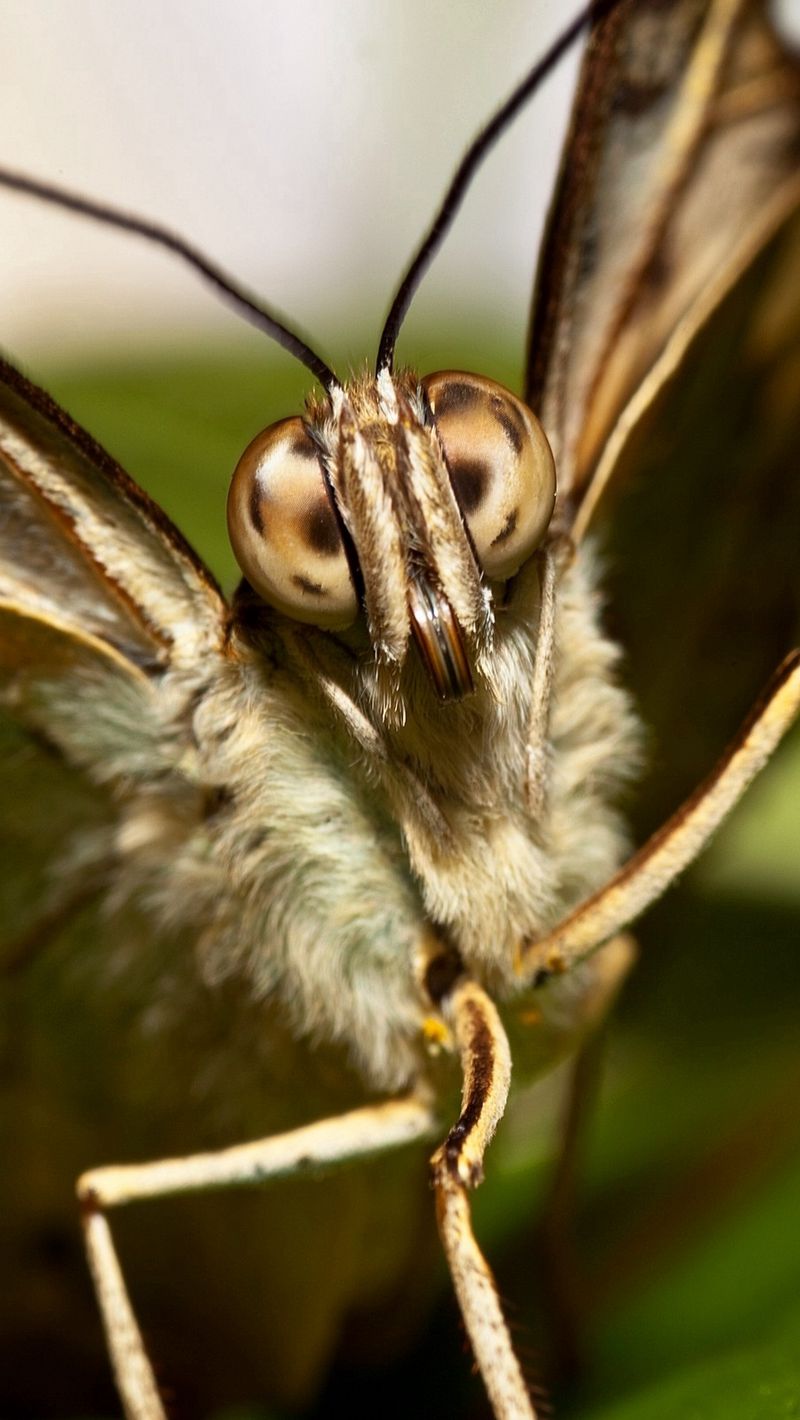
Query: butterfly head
[401,502]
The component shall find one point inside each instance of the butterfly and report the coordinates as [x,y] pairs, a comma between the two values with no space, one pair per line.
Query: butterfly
[360,821]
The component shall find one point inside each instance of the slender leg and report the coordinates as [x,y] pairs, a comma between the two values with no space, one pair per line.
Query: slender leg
[133,1373]
[541,689]
[316,1148]
[457,1166]
[656,865]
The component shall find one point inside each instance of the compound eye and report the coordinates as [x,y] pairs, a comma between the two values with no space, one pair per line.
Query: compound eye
[284,531]
[500,465]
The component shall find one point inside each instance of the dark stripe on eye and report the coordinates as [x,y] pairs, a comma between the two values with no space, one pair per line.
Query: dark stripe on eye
[508,423]
[255,508]
[321,531]
[471,480]
[455,395]
[510,429]
[302,447]
[507,529]
[313,589]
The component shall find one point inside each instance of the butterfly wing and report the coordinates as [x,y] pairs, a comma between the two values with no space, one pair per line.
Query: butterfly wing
[664,335]
[682,164]
[84,547]
[99,597]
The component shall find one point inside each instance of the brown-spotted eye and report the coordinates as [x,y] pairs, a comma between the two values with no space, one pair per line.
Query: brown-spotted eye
[500,466]
[284,532]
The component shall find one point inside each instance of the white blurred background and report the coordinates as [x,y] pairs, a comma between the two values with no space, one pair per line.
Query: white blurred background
[304,147]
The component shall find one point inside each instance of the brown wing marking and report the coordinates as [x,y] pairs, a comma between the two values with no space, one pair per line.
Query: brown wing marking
[687,134]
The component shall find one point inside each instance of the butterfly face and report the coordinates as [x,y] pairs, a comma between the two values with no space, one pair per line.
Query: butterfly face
[403,498]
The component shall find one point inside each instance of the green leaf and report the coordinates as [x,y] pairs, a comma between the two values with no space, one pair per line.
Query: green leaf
[754,1382]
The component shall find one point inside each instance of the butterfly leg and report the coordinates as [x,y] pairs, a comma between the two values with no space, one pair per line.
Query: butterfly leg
[677,843]
[550,561]
[458,1166]
[315,1148]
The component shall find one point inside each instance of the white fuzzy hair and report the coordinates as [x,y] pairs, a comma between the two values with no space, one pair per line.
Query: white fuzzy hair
[248,816]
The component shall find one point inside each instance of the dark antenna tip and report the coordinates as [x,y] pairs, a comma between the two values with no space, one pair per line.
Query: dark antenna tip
[247,305]
[467,169]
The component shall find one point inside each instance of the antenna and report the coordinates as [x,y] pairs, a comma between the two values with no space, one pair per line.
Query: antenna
[247,305]
[480,146]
